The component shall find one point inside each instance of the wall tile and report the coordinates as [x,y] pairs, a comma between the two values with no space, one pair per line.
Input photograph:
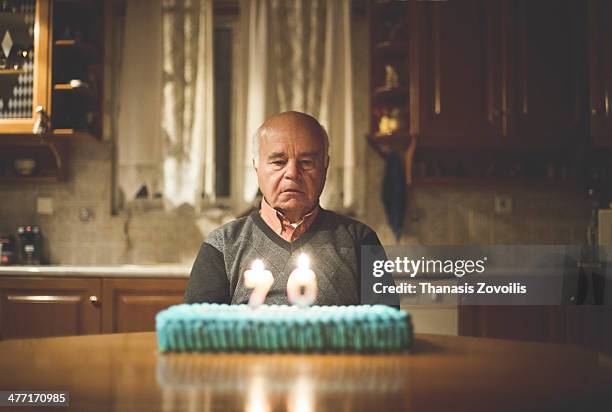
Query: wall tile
[479,227]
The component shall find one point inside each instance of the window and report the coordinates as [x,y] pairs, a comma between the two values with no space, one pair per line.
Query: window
[226,55]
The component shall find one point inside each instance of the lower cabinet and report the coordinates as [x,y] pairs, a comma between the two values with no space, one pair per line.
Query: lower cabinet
[584,325]
[130,305]
[35,307]
[52,306]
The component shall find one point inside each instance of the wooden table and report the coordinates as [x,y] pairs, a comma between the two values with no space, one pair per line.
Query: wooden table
[124,372]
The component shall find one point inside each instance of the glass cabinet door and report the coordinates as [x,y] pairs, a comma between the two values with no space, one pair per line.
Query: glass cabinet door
[24,63]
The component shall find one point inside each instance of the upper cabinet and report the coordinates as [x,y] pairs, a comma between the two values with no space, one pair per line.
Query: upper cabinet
[544,93]
[600,71]
[24,63]
[389,79]
[499,73]
[51,56]
[476,91]
[457,73]
[76,69]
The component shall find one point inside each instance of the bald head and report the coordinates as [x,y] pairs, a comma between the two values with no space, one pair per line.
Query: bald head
[290,158]
[290,120]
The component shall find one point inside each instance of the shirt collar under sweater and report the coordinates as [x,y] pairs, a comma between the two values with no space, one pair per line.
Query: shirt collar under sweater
[282,226]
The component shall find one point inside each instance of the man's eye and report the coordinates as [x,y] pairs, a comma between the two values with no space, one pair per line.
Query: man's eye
[306,163]
[278,162]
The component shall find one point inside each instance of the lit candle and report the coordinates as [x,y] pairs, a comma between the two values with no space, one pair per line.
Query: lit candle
[260,280]
[302,284]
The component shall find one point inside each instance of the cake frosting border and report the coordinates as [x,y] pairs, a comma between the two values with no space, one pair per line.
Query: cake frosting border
[211,327]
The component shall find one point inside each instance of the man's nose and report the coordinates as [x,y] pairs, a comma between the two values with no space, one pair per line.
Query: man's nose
[292,171]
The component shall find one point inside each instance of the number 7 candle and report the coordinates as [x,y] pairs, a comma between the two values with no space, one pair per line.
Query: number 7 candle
[260,280]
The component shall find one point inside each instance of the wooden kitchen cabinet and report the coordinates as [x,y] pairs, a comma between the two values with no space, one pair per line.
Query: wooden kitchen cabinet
[534,323]
[24,63]
[51,83]
[458,61]
[53,306]
[76,69]
[585,326]
[600,70]
[389,79]
[607,332]
[130,305]
[495,90]
[51,57]
[36,307]
[501,73]
[544,93]
[582,325]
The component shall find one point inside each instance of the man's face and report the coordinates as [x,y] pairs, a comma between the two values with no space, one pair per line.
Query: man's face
[292,166]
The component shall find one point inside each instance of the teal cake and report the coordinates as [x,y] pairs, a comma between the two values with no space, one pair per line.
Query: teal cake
[204,327]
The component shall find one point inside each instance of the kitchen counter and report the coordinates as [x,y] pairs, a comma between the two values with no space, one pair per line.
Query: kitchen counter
[127,271]
[125,372]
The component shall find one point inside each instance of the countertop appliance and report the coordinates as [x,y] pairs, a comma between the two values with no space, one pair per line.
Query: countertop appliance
[30,244]
[7,250]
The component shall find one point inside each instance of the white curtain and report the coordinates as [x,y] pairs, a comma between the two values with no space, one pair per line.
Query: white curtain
[299,58]
[187,101]
[165,126]
[138,131]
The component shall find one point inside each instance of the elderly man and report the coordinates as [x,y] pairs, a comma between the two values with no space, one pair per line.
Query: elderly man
[291,158]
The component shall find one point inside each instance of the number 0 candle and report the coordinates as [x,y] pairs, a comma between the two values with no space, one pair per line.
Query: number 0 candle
[260,280]
[302,283]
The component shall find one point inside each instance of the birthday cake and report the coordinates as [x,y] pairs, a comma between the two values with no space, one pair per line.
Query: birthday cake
[204,327]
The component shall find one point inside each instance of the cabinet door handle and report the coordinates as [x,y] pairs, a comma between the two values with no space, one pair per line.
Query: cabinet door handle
[93,299]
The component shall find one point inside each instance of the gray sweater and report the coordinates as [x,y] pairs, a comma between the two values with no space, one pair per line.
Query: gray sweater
[333,243]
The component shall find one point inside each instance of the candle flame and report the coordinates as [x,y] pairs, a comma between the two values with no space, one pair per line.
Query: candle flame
[303,261]
[257,265]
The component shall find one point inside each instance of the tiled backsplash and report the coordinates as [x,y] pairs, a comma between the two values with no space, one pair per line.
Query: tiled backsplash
[151,237]
[465,215]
